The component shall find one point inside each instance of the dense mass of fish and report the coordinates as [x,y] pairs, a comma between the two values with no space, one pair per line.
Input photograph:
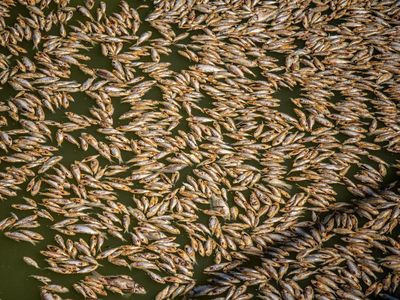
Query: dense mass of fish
[214,161]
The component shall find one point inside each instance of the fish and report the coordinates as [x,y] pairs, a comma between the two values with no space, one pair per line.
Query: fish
[31,262]
[267,149]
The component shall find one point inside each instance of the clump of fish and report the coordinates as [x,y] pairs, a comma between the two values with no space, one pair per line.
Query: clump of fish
[220,164]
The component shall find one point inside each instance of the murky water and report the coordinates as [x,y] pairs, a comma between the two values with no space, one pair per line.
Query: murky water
[15,280]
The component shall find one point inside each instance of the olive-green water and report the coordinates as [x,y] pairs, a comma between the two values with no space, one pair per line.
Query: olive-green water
[15,282]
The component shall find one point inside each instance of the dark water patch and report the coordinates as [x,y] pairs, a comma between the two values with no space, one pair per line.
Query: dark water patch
[111,7]
[386,296]
[336,22]
[74,3]
[280,57]
[252,289]
[4,51]
[12,290]
[58,116]
[337,97]
[257,73]
[182,31]
[178,63]
[12,262]
[74,153]
[29,50]
[155,93]
[98,60]
[285,95]
[343,193]
[81,104]
[206,101]
[183,126]
[341,137]
[299,43]
[254,163]
[120,108]
[144,8]
[201,264]
[391,176]
[311,5]
[15,11]
[78,74]
[6,94]
[55,30]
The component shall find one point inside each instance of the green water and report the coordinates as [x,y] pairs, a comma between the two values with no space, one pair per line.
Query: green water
[15,282]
